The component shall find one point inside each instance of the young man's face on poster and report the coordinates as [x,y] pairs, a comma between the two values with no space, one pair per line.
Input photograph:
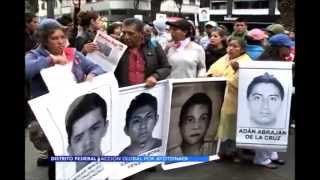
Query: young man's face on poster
[87,134]
[195,123]
[141,125]
[264,103]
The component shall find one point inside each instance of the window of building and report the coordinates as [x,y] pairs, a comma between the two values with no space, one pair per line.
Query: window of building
[251,4]
[43,6]
[219,4]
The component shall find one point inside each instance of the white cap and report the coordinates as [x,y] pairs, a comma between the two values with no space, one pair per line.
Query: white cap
[211,23]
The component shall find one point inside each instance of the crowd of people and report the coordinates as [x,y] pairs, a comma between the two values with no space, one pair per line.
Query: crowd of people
[156,50]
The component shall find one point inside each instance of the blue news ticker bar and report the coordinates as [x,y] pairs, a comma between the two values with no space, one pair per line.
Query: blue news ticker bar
[129,158]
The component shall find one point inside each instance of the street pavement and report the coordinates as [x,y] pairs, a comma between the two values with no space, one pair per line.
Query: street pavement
[215,170]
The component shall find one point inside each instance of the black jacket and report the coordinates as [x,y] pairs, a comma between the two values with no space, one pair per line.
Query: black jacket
[156,64]
[213,54]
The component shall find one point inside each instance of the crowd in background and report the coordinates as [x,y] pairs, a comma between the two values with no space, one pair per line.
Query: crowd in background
[156,50]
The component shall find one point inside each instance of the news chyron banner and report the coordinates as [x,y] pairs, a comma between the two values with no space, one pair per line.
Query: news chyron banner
[264,101]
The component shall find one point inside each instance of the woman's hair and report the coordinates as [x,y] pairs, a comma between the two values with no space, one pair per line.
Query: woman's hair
[241,42]
[113,26]
[84,18]
[222,34]
[271,53]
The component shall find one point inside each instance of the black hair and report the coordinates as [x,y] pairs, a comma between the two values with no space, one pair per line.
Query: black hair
[198,98]
[242,42]
[28,17]
[81,106]
[84,18]
[265,78]
[251,41]
[134,21]
[65,20]
[271,53]
[141,100]
[240,19]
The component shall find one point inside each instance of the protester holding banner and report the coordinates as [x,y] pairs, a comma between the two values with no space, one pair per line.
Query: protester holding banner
[186,57]
[227,66]
[217,46]
[51,51]
[144,61]
[278,51]
[89,23]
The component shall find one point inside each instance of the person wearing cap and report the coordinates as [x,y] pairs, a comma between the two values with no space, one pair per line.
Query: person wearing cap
[278,51]
[209,27]
[161,36]
[279,48]
[186,57]
[144,61]
[239,29]
[52,50]
[274,29]
[255,39]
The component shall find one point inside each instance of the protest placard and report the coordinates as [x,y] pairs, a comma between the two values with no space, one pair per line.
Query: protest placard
[264,98]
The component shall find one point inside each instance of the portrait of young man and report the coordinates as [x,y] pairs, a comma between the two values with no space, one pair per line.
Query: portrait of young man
[141,118]
[265,95]
[86,125]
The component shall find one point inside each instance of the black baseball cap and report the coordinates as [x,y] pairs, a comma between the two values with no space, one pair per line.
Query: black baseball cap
[182,24]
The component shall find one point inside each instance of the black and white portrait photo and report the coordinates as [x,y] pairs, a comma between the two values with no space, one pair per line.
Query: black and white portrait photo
[264,98]
[194,117]
[141,118]
[86,125]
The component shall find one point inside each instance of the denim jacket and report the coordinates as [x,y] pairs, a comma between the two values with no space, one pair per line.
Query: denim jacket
[38,59]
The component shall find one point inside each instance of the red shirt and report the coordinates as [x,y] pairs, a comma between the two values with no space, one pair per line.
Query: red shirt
[136,67]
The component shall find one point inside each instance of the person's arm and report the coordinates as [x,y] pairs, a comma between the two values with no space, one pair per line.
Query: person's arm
[164,68]
[34,63]
[201,66]
[89,68]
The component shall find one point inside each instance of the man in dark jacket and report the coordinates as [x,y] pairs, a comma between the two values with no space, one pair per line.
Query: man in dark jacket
[31,24]
[144,61]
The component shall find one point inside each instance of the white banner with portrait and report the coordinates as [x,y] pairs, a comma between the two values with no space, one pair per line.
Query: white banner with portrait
[195,106]
[109,51]
[264,99]
[78,122]
[140,122]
